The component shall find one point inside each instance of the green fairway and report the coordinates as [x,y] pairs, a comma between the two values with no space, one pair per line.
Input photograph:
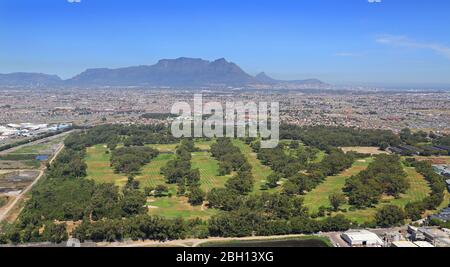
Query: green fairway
[204,145]
[165,148]
[319,157]
[319,197]
[333,184]
[418,191]
[99,170]
[150,175]
[98,166]
[209,170]
[175,207]
[259,171]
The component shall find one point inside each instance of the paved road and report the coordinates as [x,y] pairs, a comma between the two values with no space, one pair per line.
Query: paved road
[5,210]
[335,238]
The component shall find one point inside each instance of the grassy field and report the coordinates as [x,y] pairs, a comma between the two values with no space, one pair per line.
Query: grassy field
[204,145]
[99,170]
[175,207]
[333,184]
[165,148]
[150,175]
[98,166]
[209,169]
[419,190]
[25,156]
[259,171]
[319,197]
[320,156]
[41,148]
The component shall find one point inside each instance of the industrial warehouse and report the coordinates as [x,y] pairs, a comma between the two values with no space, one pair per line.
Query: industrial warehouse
[29,129]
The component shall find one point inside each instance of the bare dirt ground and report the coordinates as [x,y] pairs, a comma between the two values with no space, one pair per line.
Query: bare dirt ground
[4,212]
[364,150]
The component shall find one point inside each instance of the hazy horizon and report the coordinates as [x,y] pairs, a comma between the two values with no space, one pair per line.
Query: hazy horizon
[354,42]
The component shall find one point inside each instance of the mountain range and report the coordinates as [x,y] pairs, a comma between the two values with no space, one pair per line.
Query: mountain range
[180,73]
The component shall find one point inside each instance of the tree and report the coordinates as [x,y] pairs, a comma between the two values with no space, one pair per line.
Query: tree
[196,196]
[336,223]
[336,200]
[384,146]
[133,203]
[132,184]
[389,216]
[272,180]
[14,236]
[3,239]
[242,183]
[148,191]
[55,233]
[223,199]
[161,190]
[414,210]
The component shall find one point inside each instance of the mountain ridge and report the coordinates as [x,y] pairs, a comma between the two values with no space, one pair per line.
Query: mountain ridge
[180,72]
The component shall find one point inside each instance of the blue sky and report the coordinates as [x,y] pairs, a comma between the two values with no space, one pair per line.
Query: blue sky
[338,41]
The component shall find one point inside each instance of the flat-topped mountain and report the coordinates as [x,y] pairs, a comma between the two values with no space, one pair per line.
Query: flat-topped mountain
[180,72]
[29,79]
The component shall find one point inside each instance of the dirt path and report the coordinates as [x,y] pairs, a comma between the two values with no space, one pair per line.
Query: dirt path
[5,211]
[192,242]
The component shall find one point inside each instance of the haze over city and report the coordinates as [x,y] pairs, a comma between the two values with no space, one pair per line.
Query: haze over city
[224,123]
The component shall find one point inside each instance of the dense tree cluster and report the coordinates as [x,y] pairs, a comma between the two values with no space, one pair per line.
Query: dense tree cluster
[229,156]
[66,195]
[178,171]
[114,134]
[324,137]
[443,141]
[130,159]
[158,116]
[383,176]
[230,160]
[410,138]
[331,165]
[266,214]
[69,164]
[389,216]
[142,227]
[280,162]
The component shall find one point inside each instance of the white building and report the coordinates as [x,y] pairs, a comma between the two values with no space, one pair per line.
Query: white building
[362,238]
[403,244]
[423,244]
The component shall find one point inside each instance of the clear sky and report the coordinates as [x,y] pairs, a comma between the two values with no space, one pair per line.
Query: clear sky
[338,41]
